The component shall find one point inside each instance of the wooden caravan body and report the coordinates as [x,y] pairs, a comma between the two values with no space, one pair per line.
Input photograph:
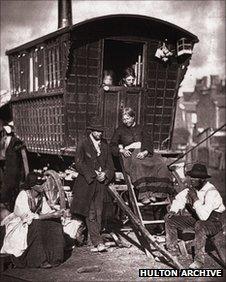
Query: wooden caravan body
[56,80]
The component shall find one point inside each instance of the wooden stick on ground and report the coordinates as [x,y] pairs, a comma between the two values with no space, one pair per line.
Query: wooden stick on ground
[138,224]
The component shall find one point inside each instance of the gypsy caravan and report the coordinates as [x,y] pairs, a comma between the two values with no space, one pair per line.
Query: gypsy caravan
[56,79]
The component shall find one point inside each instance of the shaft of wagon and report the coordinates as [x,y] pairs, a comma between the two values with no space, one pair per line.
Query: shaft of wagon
[137,223]
[218,129]
[25,161]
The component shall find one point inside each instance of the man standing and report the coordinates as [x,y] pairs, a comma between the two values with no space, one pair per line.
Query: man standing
[93,162]
[206,206]
[12,165]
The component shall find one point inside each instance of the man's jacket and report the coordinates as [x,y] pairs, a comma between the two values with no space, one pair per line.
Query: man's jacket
[86,162]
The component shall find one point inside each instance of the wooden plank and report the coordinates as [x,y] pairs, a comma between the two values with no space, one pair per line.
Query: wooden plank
[25,161]
[146,222]
[109,108]
[30,96]
[162,203]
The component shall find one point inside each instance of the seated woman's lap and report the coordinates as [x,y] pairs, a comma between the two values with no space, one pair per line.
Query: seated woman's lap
[53,240]
[45,244]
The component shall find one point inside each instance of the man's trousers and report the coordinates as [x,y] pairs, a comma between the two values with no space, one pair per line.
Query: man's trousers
[202,229]
[94,219]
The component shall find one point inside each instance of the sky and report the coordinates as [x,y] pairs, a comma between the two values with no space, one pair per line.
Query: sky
[23,21]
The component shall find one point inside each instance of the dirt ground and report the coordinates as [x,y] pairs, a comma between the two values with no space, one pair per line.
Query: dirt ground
[118,264]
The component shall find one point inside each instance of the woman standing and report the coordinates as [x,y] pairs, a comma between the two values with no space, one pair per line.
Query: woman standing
[34,234]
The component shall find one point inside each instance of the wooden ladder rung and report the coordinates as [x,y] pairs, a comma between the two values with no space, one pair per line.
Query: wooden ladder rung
[154,204]
[125,229]
[121,187]
[153,221]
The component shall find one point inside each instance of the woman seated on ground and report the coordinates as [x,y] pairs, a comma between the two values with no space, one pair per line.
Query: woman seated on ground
[34,233]
[128,78]
[148,171]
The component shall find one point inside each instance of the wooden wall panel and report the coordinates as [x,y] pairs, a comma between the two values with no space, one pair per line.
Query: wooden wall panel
[82,87]
[162,88]
[39,122]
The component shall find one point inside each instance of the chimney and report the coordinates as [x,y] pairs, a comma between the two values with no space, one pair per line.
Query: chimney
[215,80]
[64,13]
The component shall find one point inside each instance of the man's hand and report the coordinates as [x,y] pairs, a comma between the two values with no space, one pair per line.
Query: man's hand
[192,196]
[142,155]
[66,213]
[126,153]
[57,214]
[101,176]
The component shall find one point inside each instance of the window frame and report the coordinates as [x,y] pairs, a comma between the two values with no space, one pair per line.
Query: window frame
[125,39]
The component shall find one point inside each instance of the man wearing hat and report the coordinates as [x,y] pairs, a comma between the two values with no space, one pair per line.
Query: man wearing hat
[93,162]
[206,206]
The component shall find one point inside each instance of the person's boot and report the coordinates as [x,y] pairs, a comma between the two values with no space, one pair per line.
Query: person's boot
[99,248]
[45,265]
[196,265]
[145,201]
[159,230]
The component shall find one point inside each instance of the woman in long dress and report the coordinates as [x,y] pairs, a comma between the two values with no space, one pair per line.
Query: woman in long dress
[34,233]
[148,171]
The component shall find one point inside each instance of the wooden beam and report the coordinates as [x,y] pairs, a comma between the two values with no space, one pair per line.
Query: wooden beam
[25,161]
[138,224]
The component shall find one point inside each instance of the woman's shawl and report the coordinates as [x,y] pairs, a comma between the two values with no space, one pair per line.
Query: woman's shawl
[15,241]
[149,174]
[17,223]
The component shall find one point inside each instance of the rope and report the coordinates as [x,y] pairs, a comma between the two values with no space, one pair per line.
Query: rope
[183,155]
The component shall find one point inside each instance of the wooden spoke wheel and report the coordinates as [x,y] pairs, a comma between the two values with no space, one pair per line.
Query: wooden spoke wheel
[54,190]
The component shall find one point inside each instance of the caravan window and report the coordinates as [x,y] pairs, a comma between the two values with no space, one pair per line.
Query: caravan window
[119,55]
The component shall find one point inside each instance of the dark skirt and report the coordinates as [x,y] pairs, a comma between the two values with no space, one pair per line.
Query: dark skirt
[45,244]
[150,176]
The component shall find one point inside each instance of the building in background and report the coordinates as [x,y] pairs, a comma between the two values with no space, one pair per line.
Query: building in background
[202,111]
[204,107]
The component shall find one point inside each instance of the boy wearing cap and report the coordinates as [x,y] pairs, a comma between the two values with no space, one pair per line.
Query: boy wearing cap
[93,162]
[206,206]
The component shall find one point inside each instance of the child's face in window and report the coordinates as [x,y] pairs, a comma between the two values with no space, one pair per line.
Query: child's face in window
[128,120]
[108,80]
[129,80]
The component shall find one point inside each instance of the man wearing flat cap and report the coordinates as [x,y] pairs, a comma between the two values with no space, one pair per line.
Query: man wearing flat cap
[206,206]
[93,162]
